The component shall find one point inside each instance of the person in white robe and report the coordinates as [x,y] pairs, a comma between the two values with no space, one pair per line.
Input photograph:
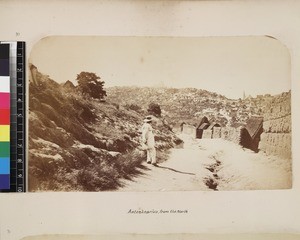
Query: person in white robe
[148,140]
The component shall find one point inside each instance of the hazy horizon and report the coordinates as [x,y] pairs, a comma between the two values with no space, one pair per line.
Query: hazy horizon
[166,87]
[228,66]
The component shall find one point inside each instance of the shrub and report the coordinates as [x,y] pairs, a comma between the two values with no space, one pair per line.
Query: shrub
[154,109]
[127,164]
[133,107]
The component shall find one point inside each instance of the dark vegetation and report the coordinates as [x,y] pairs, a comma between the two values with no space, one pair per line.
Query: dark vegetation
[154,109]
[91,85]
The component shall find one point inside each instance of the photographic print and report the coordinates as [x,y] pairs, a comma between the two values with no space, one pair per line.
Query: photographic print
[159,114]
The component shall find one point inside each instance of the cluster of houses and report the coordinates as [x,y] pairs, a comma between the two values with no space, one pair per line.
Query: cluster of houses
[247,136]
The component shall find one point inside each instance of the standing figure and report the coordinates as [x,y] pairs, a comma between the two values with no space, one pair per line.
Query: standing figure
[148,140]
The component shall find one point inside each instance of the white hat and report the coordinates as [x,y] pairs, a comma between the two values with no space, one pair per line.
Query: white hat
[148,119]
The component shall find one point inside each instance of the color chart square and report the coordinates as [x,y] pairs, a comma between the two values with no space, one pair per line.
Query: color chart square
[4,50]
[4,133]
[4,181]
[4,166]
[4,84]
[4,100]
[4,149]
[4,116]
[4,67]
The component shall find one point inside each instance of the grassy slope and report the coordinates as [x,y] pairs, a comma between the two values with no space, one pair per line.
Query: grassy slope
[80,144]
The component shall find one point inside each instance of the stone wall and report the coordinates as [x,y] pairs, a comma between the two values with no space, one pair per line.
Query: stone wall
[189,129]
[228,133]
[207,133]
[216,132]
[231,134]
[278,144]
[278,125]
[277,136]
[279,107]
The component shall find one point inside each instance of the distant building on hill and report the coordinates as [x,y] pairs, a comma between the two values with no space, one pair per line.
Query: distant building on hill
[69,85]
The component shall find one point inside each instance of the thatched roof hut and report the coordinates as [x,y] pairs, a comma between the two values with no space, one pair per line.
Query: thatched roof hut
[250,134]
[202,120]
[69,85]
[214,124]
[254,126]
[203,124]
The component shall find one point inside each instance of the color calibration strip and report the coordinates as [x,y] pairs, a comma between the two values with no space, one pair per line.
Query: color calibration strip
[4,117]
[15,146]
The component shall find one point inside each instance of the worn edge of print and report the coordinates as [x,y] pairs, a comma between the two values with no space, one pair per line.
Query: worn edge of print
[262,236]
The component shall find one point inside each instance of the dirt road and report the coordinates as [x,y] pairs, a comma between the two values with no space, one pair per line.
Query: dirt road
[213,164]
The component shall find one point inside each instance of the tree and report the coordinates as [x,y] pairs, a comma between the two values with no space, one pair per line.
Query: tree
[89,83]
[154,109]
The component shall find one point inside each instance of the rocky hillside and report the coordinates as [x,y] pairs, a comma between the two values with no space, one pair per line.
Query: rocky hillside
[81,144]
[190,104]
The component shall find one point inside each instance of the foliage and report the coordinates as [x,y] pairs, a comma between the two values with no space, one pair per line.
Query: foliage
[84,173]
[133,107]
[89,83]
[154,109]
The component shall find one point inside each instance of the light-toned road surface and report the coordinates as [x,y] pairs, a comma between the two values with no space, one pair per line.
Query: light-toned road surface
[213,164]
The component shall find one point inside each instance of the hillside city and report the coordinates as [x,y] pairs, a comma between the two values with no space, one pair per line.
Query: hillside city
[190,104]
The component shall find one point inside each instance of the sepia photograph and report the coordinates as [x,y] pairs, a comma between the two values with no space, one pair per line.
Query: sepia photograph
[140,114]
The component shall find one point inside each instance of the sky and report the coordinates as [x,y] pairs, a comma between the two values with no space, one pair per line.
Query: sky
[225,65]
